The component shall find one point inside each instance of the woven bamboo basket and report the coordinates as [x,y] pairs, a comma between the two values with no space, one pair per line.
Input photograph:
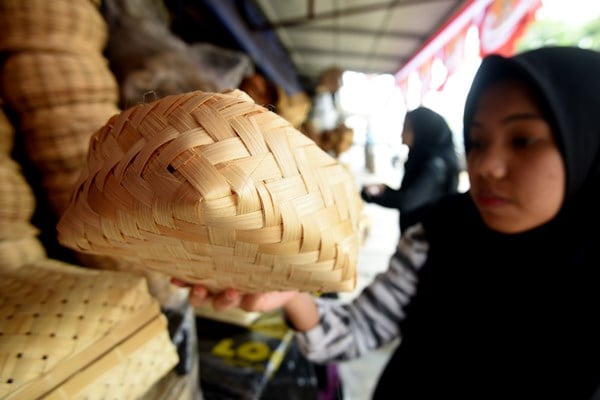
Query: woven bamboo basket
[261,90]
[72,26]
[62,181]
[58,153]
[214,189]
[67,120]
[15,253]
[35,79]
[295,108]
[17,202]
[18,241]
[57,138]
[7,132]
[58,187]
[74,333]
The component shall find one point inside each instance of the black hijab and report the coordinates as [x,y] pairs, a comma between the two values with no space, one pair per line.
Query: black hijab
[432,138]
[567,81]
[514,315]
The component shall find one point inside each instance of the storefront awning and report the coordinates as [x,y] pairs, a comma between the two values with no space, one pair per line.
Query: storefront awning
[500,24]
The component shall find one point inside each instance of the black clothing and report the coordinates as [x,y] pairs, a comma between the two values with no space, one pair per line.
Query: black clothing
[513,318]
[435,179]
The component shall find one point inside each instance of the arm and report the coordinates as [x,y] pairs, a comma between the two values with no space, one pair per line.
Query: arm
[348,330]
[428,185]
[329,329]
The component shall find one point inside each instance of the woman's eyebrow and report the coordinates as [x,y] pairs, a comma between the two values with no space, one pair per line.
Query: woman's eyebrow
[511,118]
[521,116]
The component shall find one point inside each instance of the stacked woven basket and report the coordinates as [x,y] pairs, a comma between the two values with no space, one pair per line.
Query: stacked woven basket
[66,332]
[69,332]
[58,82]
[18,237]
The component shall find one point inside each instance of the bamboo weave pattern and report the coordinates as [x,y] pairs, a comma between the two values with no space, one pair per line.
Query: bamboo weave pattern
[75,333]
[214,189]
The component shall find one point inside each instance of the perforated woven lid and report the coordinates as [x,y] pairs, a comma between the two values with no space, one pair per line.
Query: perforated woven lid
[69,332]
[214,189]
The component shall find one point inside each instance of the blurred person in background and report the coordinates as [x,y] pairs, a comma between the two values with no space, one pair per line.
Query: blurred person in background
[431,170]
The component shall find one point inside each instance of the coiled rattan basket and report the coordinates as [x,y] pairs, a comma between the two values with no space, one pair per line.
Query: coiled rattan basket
[214,189]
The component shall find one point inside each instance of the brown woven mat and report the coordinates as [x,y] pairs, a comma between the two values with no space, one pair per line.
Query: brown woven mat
[214,189]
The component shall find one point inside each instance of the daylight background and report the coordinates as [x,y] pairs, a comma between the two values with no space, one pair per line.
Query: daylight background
[374,106]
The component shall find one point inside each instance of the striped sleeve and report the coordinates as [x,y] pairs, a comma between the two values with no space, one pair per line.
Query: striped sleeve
[350,329]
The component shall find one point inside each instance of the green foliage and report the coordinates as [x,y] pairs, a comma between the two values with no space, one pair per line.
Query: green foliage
[550,32]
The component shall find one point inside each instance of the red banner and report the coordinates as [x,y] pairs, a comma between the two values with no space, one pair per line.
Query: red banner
[500,23]
[503,23]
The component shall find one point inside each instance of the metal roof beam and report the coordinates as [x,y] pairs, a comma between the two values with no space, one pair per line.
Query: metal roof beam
[311,16]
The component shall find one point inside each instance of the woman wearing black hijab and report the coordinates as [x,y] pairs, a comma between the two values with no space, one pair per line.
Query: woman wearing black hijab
[507,301]
[430,171]
[504,279]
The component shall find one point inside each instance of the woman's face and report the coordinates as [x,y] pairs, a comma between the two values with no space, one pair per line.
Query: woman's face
[408,135]
[516,171]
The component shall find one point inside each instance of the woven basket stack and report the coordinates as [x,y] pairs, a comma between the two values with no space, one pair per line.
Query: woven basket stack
[214,189]
[69,332]
[66,332]
[58,84]
[57,81]
[19,244]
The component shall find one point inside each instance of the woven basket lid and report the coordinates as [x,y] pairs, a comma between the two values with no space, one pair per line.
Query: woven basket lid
[69,332]
[214,189]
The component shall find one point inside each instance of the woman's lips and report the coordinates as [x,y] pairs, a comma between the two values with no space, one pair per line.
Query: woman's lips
[490,200]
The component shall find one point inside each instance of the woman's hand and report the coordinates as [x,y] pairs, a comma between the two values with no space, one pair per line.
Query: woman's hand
[373,190]
[228,298]
[299,307]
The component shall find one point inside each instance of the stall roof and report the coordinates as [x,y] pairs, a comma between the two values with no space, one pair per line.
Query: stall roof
[370,36]
[295,41]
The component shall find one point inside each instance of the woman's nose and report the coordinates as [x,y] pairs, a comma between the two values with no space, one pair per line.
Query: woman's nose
[492,163]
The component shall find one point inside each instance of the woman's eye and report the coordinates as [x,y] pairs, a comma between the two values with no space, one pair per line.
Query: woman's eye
[476,144]
[524,141]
